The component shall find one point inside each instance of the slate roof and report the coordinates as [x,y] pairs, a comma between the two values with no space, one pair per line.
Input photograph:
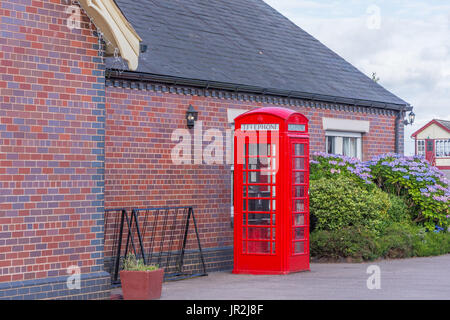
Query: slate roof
[445,123]
[242,42]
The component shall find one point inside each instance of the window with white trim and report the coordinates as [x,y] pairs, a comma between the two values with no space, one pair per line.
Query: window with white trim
[421,147]
[443,148]
[345,143]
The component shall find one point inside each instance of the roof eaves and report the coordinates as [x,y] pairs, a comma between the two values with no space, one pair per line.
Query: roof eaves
[141,76]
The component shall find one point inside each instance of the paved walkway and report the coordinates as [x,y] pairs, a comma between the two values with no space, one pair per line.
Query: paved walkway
[416,278]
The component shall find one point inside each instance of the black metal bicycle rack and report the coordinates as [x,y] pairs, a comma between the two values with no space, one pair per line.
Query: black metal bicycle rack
[158,236]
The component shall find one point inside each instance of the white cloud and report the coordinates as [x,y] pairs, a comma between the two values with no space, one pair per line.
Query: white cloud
[410,51]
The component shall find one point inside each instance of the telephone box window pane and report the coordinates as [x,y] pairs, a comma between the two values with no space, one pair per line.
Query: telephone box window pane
[273,233]
[299,149]
[256,191]
[299,191]
[299,247]
[259,247]
[244,246]
[299,205]
[273,219]
[299,177]
[263,164]
[244,175]
[258,205]
[258,219]
[244,219]
[299,163]
[244,191]
[258,233]
[244,205]
[244,233]
[262,150]
[259,176]
[273,205]
[299,233]
[299,219]
[273,247]
[273,192]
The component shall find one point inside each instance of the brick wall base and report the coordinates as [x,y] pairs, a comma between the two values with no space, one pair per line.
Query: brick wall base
[93,286]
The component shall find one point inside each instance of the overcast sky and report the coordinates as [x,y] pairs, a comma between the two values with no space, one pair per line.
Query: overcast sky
[406,42]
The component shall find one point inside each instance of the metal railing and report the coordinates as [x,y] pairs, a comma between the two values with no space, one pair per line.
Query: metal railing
[156,235]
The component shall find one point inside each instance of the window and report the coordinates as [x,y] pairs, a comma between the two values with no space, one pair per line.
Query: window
[346,143]
[443,148]
[349,147]
[421,147]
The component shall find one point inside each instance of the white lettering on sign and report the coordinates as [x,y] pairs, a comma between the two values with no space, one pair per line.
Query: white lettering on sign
[296,127]
[260,127]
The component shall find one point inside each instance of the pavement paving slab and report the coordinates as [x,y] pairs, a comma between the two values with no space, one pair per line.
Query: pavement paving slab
[403,279]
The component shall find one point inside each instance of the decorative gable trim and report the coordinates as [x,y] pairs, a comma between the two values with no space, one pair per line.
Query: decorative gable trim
[434,121]
[122,38]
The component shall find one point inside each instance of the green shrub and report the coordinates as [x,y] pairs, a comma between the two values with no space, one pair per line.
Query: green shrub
[340,202]
[397,240]
[432,244]
[354,242]
[399,210]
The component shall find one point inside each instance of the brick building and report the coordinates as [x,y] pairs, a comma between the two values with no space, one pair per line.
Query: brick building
[87,124]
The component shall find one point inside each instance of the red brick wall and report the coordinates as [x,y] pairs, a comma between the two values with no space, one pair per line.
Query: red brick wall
[139,171]
[51,143]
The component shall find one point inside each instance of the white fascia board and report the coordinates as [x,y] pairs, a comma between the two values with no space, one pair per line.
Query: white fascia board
[333,124]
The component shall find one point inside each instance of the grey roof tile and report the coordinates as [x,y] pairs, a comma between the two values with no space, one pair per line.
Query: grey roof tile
[244,42]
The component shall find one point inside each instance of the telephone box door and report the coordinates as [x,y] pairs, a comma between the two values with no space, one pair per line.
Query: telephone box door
[298,235]
[257,224]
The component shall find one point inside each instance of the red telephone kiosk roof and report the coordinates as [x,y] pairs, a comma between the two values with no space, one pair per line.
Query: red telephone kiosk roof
[283,113]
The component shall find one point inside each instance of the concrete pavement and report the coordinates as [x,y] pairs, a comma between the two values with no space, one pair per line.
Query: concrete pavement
[415,278]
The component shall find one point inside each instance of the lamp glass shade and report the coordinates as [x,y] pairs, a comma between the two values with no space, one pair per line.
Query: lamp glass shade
[411,117]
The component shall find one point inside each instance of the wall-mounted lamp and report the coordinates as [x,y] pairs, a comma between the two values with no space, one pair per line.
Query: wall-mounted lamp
[191,116]
[411,118]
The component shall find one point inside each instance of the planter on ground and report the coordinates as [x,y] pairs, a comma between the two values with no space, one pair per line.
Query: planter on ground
[142,285]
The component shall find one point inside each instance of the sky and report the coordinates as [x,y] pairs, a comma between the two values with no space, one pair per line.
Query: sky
[406,42]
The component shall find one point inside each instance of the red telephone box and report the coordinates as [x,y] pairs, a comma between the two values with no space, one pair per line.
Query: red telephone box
[271,203]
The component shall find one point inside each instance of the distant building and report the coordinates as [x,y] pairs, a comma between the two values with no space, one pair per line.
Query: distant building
[433,142]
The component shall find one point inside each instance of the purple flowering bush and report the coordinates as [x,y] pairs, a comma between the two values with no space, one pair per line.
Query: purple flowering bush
[424,188]
[331,165]
[389,207]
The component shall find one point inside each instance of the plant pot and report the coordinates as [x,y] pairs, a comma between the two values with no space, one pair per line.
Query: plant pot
[141,285]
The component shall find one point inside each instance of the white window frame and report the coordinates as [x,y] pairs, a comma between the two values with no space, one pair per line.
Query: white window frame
[421,147]
[339,141]
[442,148]
[341,128]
